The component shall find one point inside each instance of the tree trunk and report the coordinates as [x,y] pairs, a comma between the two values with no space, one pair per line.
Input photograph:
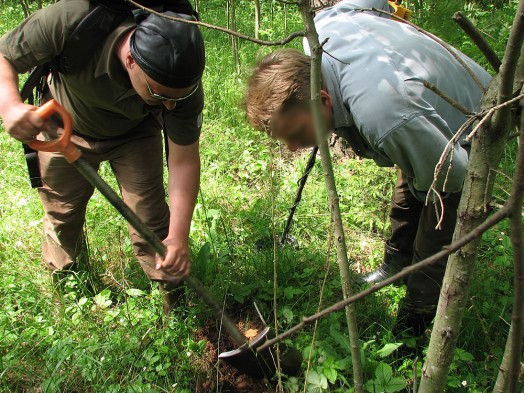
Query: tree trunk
[234,38]
[486,152]
[508,377]
[320,129]
[25,7]
[285,19]
[257,18]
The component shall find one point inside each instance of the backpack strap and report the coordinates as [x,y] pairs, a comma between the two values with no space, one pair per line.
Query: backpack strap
[87,37]
[33,166]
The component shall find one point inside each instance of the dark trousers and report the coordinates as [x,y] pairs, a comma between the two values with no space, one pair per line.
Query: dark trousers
[414,232]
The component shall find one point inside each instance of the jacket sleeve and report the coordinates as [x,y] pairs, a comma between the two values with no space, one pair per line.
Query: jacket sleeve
[41,36]
[416,147]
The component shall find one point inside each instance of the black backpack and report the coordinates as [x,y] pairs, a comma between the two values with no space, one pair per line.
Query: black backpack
[103,17]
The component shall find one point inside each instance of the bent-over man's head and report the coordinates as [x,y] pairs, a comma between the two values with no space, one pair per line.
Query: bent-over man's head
[277,100]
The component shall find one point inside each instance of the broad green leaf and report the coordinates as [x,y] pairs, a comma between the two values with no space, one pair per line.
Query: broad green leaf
[317,383]
[395,385]
[330,374]
[383,373]
[342,364]
[340,338]
[388,349]
[134,292]
[288,314]
[461,354]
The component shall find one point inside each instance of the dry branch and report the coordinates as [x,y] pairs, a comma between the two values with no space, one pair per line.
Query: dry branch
[474,234]
[447,98]
[283,41]
[444,44]
[477,38]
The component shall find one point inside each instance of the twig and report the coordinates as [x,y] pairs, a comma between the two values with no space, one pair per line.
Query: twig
[275,257]
[437,196]
[330,244]
[447,98]
[449,146]
[283,41]
[327,166]
[442,43]
[490,113]
[510,63]
[477,232]
[463,21]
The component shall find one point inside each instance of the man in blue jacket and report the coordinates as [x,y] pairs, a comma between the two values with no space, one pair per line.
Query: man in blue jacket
[373,95]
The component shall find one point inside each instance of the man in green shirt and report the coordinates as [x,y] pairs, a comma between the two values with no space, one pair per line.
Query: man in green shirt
[144,78]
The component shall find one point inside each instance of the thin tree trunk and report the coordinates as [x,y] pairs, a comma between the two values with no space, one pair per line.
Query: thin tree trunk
[25,7]
[502,377]
[518,255]
[257,18]
[236,54]
[486,152]
[320,129]
[513,350]
[285,19]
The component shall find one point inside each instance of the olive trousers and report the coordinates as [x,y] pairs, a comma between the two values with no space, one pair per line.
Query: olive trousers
[137,163]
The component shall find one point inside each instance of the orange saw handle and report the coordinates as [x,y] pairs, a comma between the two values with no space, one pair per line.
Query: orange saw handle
[63,143]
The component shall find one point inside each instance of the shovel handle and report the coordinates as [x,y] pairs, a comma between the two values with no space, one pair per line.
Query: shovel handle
[63,143]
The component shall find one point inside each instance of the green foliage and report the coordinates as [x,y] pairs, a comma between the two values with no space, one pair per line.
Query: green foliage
[384,380]
[111,336]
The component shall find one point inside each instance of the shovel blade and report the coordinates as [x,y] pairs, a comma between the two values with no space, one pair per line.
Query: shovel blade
[247,360]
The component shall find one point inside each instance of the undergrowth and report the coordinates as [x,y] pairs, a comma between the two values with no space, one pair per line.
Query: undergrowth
[106,331]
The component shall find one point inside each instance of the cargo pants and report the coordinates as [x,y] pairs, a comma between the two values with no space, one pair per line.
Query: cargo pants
[137,163]
[413,232]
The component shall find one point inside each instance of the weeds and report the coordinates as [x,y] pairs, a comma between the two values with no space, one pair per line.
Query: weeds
[112,337]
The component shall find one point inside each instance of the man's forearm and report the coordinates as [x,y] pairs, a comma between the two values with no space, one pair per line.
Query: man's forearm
[8,85]
[183,185]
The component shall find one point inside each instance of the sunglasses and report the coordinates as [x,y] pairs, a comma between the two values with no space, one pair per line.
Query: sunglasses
[162,98]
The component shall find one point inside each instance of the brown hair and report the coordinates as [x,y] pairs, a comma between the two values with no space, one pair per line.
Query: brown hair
[280,81]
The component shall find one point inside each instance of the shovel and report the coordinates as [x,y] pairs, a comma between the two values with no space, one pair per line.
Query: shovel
[245,357]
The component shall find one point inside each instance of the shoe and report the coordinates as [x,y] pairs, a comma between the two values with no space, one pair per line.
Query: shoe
[394,262]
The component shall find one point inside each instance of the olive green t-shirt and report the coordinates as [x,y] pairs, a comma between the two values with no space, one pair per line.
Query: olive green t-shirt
[99,96]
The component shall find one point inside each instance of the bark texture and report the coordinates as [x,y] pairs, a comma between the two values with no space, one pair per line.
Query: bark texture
[486,152]
[320,129]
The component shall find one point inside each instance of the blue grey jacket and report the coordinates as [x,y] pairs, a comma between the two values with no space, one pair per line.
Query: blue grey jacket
[374,68]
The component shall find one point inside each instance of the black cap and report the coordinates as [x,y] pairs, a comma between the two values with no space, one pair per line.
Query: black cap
[169,52]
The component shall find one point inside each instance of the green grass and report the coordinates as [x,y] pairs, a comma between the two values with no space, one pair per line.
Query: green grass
[115,339]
